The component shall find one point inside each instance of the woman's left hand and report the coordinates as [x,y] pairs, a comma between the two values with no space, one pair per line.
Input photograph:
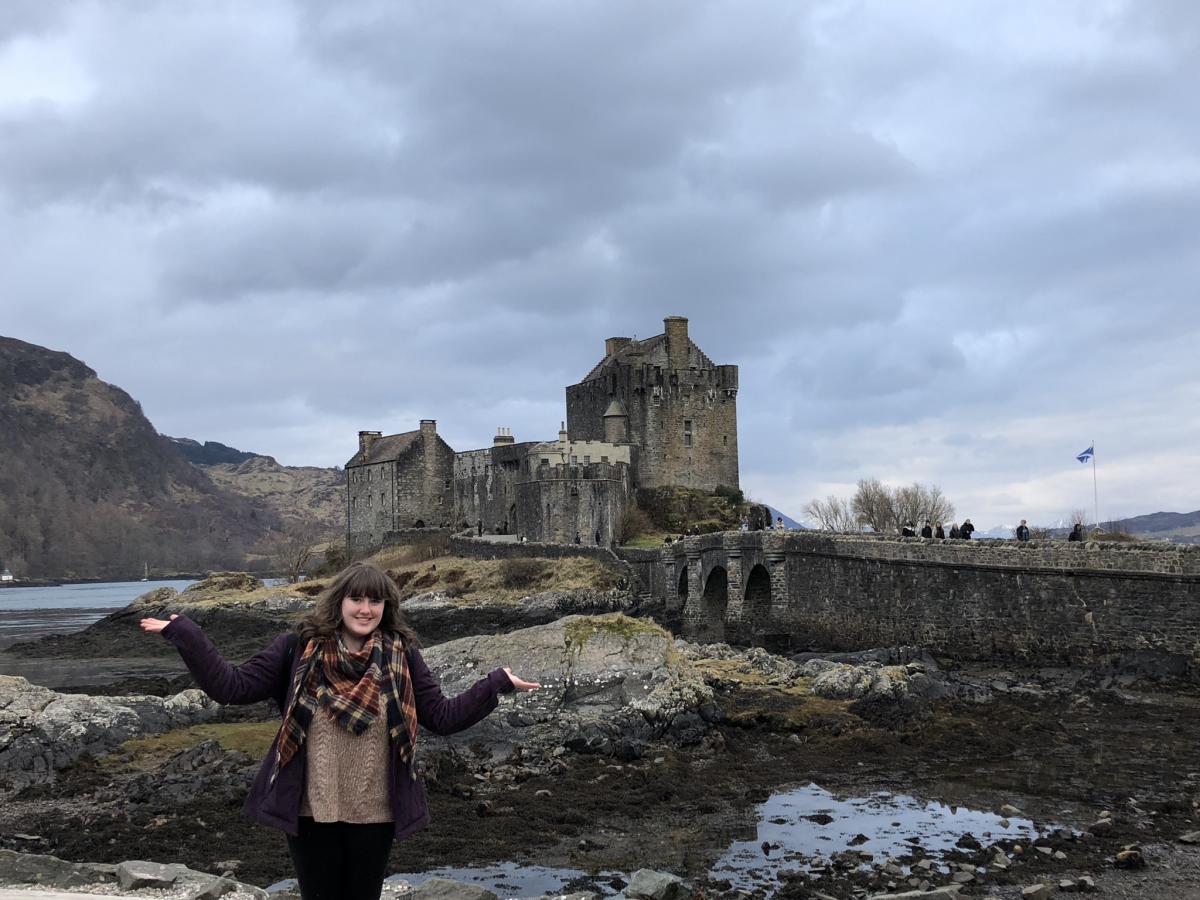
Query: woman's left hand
[520,683]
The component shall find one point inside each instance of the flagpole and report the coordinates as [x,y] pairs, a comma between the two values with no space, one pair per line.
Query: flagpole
[1095,490]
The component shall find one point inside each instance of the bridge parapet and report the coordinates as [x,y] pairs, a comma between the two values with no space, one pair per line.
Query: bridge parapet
[1052,601]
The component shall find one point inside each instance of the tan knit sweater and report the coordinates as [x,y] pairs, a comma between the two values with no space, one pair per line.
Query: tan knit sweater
[347,775]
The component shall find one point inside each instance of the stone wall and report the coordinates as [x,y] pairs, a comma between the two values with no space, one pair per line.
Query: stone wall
[476,548]
[485,487]
[370,505]
[1040,602]
[565,503]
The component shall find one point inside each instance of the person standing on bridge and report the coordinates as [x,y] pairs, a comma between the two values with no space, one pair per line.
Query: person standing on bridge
[927,530]
[1022,531]
[352,687]
[965,531]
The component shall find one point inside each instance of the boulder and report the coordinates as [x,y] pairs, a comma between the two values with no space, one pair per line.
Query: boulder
[438,617]
[610,685]
[945,892]
[137,873]
[889,696]
[42,730]
[48,871]
[445,889]
[647,884]
[219,583]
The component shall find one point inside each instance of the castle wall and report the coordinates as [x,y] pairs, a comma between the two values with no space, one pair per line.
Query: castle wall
[558,503]
[1039,602]
[484,485]
[371,503]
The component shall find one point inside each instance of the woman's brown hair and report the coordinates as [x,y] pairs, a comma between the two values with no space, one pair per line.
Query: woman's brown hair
[360,579]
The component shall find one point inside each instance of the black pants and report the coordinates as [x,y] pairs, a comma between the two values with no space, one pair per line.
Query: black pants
[340,861]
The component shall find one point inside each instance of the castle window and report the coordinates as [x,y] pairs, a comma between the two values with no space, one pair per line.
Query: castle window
[687,432]
[604,459]
[545,461]
[574,460]
[587,460]
[725,440]
[381,499]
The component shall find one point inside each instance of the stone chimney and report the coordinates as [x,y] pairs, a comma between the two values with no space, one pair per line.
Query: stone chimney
[613,344]
[428,429]
[676,328]
[503,436]
[365,440]
[563,437]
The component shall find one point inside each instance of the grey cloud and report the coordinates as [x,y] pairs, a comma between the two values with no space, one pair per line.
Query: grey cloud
[937,249]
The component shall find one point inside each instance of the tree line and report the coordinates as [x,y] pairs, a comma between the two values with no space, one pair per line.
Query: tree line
[882,508]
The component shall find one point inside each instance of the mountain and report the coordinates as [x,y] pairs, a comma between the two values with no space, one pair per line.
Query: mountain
[210,453]
[1183,528]
[88,488]
[788,521]
[296,494]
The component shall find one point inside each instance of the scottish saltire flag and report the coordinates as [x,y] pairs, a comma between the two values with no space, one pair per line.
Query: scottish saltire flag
[1086,454]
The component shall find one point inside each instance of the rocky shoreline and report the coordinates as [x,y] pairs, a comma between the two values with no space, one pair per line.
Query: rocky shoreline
[646,752]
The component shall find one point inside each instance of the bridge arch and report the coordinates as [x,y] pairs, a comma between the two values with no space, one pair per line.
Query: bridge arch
[681,589]
[756,605]
[710,625]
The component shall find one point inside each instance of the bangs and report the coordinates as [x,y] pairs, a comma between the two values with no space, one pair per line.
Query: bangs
[367,581]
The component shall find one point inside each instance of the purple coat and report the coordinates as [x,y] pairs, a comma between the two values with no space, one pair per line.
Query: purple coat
[267,676]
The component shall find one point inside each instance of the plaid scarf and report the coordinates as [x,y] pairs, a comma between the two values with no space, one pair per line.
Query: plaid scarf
[352,688]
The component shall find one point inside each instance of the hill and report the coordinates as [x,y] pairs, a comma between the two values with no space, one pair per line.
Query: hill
[292,493]
[88,488]
[1164,526]
[210,453]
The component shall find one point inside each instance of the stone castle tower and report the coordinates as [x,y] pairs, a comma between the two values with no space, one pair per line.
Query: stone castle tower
[669,400]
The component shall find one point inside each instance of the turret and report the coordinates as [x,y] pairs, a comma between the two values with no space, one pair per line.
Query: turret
[616,422]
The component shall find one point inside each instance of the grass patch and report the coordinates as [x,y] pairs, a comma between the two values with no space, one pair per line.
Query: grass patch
[147,753]
[579,631]
[503,580]
[651,541]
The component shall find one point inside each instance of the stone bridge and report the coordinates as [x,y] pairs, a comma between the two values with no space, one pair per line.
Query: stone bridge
[1041,602]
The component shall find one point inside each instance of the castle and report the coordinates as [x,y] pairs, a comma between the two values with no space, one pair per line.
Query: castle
[651,413]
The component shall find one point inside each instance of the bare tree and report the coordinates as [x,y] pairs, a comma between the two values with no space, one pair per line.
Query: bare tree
[832,514]
[920,503]
[886,509]
[293,546]
[872,505]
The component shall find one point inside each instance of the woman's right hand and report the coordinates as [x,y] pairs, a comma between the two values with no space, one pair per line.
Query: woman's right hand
[154,626]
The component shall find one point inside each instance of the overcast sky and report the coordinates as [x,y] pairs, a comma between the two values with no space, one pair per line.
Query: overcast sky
[952,242]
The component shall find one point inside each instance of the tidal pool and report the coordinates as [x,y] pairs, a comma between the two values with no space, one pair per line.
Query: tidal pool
[805,822]
[802,827]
